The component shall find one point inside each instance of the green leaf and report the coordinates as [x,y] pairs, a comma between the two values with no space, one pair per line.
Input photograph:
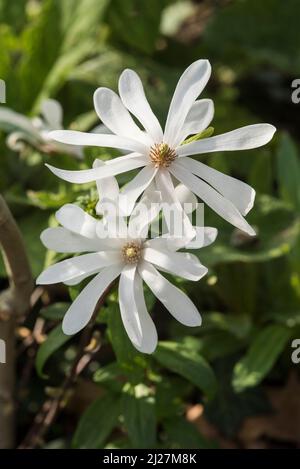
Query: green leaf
[97,422]
[180,359]
[236,35]
[288,171]
[218,344]
[55,312]
[181,434]
[239,326]
[49,200]
[13,13]
[169,396]
[287,318]
[261,356]
[228,410]
[136,23]
[54,341]
[56,29]
[110,376]
[138,408]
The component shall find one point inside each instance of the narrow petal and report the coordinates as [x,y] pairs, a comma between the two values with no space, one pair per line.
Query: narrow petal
[116,117]
[160,242]
[176,302]
[52,113]
[135,188]
[111,168]
[10,119]
[183,264]
[245,138]
[108,188]
[212,198]
[76,266]
[186,198]
[133,96]
[197,120]
[238,192]
[190,85]
[64,241]
[204,237]
[149,334]
[178,223]
[128,307]
[81,310]
[144,213]
[73,137]
[80,278]
[75,219]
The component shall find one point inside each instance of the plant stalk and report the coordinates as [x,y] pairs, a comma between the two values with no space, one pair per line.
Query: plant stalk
[14,303]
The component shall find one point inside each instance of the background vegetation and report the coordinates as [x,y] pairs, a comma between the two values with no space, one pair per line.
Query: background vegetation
[230,383]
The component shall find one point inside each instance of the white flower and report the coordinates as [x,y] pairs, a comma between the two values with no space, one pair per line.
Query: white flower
[36,131]
[128,254]
[161,154]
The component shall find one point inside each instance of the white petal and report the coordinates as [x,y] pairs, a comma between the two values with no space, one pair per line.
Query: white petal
[108,188]
[52,113]
[212,198]
[176,302]
[197,120]
[118,165]
[73,150]
[177,221]
[204,237]
[73,137]
[143,214]
[149,334]
[133,96]
[75,219]
[238,192]
[116,117]
[128,307]
[245,138]
[81,310]
[183,264]
[113,230]
[189,86]
[80,278]
[187,199]
[10,119]
[77,266]
[135,188]
[64,241]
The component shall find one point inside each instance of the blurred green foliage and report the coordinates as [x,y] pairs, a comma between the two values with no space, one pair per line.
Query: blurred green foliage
[250,299]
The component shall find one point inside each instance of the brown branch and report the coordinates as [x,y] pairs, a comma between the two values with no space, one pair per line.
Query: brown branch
[51,407]
[14,302]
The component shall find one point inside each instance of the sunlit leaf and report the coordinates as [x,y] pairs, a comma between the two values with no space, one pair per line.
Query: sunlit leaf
[191,366]
[261,356]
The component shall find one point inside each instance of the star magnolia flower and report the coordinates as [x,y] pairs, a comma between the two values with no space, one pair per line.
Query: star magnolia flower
[162,154]
[127,254]
[36,131]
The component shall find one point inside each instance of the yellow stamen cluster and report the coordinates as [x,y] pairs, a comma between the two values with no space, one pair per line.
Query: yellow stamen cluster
[131,252]
[162,155]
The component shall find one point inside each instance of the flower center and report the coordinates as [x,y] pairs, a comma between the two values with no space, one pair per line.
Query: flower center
[131,252]
[162,155]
